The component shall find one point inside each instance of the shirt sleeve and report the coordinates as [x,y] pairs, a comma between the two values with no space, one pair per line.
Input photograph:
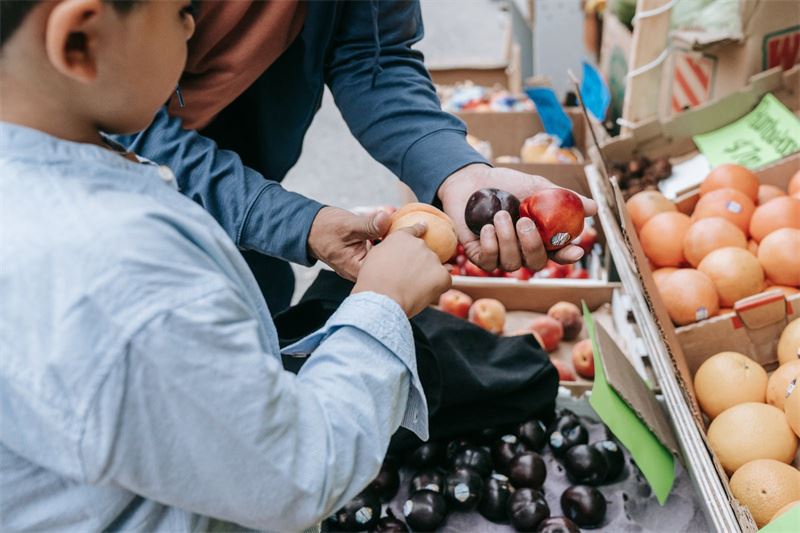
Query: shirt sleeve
[258,214]
[199,416]
[404,126]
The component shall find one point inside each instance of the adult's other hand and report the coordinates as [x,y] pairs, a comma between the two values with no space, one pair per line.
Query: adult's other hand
[503,245]
[341,239]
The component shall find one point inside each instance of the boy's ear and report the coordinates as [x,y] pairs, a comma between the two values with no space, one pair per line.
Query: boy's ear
[71,38]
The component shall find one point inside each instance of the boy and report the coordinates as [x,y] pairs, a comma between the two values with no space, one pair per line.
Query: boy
[140,377]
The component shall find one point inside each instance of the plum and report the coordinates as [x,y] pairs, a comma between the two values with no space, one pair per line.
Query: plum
[485,203]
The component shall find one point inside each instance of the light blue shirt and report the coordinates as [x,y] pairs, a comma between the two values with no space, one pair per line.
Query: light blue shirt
[140,377]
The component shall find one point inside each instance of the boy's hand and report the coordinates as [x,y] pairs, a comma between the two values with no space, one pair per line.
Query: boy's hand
[503,245]
[340,239]
[403,268]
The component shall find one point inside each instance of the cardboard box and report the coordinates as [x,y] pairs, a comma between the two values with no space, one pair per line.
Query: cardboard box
[615,53]
[677,352]
[703,67]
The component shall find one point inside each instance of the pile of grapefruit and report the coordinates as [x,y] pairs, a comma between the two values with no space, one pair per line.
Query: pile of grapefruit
[755,424]
[742,238]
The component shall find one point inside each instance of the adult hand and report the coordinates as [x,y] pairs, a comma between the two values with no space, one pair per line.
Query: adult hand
[341,239]
[502,245]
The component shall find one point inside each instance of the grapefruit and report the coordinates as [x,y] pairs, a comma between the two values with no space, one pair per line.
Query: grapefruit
[736,274]
[780,213]
[768,192]
[765,486]
[794,184]
[689,296]
[730,204]
[733,177]
[644,205]
[789,343]
[660,274]
[779,255]
[785,509]
[779,381]
[727,379]
[750,431]
[792,405]
[709,234]
[662,238]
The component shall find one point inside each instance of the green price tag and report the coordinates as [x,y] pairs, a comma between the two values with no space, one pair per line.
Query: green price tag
[653,458]
[767,134]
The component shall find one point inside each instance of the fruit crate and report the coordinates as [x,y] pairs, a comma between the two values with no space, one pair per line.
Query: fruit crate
[676,353]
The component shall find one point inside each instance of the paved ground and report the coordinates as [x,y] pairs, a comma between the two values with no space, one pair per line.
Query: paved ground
[334,168]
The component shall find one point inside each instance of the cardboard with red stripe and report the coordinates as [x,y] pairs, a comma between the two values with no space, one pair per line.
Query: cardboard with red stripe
[703,67]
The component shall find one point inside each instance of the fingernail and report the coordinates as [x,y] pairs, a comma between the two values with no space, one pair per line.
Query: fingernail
[526,225]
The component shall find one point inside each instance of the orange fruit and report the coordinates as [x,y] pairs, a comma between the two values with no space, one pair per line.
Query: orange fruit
[709,234]
[789,343]
[765,486]
[768,192]
[736,274]
[440,235]
[730,204]
[791,405]
[689,296]
[750,431]
[794,184]
[660,274]
[779,381]
[733,177]
[644,205]
[662,238]
[727,379]
[785,509]
[779,255]
[783,212]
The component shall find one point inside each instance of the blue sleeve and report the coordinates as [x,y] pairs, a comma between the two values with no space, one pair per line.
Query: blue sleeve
[200,414]
[257,213]
[398,118]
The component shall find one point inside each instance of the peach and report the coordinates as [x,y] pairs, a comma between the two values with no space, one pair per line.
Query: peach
[488,313]
[456,303]
[550,330]
[564,373]
[440,236]
[583,358]
[558,215]
[570,317]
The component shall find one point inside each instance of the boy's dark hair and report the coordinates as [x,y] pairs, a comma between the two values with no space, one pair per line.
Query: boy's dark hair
[13,12]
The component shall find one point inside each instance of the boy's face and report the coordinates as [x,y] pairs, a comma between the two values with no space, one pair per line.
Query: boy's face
[143,63]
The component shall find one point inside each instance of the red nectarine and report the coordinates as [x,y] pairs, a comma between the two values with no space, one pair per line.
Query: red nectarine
[456,303]
[488,313]
[558,215]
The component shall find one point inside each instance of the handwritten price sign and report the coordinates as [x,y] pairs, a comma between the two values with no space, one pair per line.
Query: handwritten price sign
[767,134]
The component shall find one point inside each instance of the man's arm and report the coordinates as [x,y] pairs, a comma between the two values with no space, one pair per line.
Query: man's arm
[257,213]
[199,416]
[398,118]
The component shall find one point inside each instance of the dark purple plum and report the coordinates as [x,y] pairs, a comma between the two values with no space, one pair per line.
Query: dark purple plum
[359,514]
[387,482]
[561,441]
[504,450]
[391,524]
[527,469]
[585,465]
[484,204]
[526,509]
[558,524]
[474,457]
[533,433]
[614,456]
[429,479]
[496,493]
[425,510]
[463,489]
[584,505]
[429,454]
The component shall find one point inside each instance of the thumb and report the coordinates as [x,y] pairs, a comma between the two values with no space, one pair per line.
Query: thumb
[417,230]
[375,226]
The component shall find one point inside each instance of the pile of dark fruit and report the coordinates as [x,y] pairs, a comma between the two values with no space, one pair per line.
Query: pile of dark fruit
[641,174]
[500,474]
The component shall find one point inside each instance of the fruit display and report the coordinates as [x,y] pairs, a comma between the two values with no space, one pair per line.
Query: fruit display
[526,487]
[440,235]
[742,236]
[641,174]
[544,148]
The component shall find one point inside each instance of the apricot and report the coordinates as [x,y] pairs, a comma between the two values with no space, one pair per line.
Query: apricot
[440,235]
